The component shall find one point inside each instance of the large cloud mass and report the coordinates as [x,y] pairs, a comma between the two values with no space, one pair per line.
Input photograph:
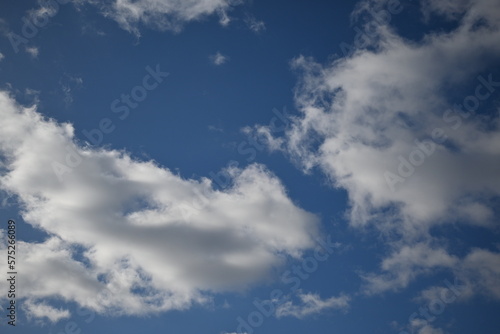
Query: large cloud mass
[386,124]
[129,236]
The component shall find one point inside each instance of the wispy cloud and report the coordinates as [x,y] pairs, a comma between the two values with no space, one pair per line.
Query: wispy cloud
[311,304]
[255,25]
[163,14]
[68,83]
[215,128]
[33,51]
[218,59]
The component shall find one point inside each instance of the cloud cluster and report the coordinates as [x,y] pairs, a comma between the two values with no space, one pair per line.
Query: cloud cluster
[131,237]
[385,124]
[163,14]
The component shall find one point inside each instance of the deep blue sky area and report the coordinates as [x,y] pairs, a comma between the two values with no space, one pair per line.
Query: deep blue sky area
[193,124]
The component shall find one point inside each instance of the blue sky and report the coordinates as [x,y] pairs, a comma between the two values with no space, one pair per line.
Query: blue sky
[223,166]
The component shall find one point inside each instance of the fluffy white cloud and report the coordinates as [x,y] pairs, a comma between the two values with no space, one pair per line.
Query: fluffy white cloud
[163,14]
[131,237]
[361,113]
[381,124]
[311,304]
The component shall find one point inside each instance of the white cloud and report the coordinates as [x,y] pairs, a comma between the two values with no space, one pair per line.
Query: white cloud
[43,13]
[218,59]
[366,110]
[311,304]
[215,128]
[255,25]
[1,56]
[224,18]
[42,310]
[164,14]
[33,51]
[67,84]
[480,271]
[131,237]
[405,263]
[361,115]
[420,326]
[477,274]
